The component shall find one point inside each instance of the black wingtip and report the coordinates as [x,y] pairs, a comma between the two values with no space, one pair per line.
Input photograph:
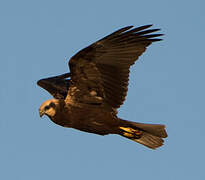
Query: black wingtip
[124,29]
[146,26]
[130,26]
[38,82]
[139,29]
[45,81]
[155,40]
[42,83]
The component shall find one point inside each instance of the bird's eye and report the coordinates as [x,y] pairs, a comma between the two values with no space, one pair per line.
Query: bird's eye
[47,108]
[52,105]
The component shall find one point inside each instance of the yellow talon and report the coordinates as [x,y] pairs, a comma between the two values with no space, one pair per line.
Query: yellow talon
[128,134]
[130,130]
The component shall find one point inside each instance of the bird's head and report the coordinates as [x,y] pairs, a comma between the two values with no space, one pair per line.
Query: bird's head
[49,107]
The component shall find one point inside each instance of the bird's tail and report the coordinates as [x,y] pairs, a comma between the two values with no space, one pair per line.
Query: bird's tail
[150,135]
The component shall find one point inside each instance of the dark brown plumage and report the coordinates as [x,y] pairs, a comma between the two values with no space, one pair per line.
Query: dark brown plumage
[98,85]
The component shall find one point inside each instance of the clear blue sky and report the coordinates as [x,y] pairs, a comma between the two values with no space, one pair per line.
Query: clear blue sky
[166,86]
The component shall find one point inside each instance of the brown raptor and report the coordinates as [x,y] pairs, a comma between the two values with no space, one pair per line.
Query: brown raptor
[88,97]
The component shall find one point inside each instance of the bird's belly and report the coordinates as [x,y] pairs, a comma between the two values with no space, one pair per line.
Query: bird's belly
[95,121]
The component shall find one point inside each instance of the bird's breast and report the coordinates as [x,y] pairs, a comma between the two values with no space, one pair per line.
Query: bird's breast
[90,119]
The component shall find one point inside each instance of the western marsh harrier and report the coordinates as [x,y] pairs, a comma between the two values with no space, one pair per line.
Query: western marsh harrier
[88,97]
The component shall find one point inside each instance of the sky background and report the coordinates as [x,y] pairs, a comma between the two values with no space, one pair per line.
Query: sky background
[166,86]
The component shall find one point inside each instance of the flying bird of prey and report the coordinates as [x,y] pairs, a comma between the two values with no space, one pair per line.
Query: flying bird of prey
[88,97]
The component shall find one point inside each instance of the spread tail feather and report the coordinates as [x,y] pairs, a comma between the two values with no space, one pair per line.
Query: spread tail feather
[149,135]
[149,140]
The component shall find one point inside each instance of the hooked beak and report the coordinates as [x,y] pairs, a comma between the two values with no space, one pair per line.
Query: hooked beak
[41,113]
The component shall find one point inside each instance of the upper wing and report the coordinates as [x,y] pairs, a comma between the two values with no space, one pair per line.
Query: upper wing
[100,72]
[57,86]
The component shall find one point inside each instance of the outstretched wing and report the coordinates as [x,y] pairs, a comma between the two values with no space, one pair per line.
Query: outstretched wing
[57,86]
[100,72]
